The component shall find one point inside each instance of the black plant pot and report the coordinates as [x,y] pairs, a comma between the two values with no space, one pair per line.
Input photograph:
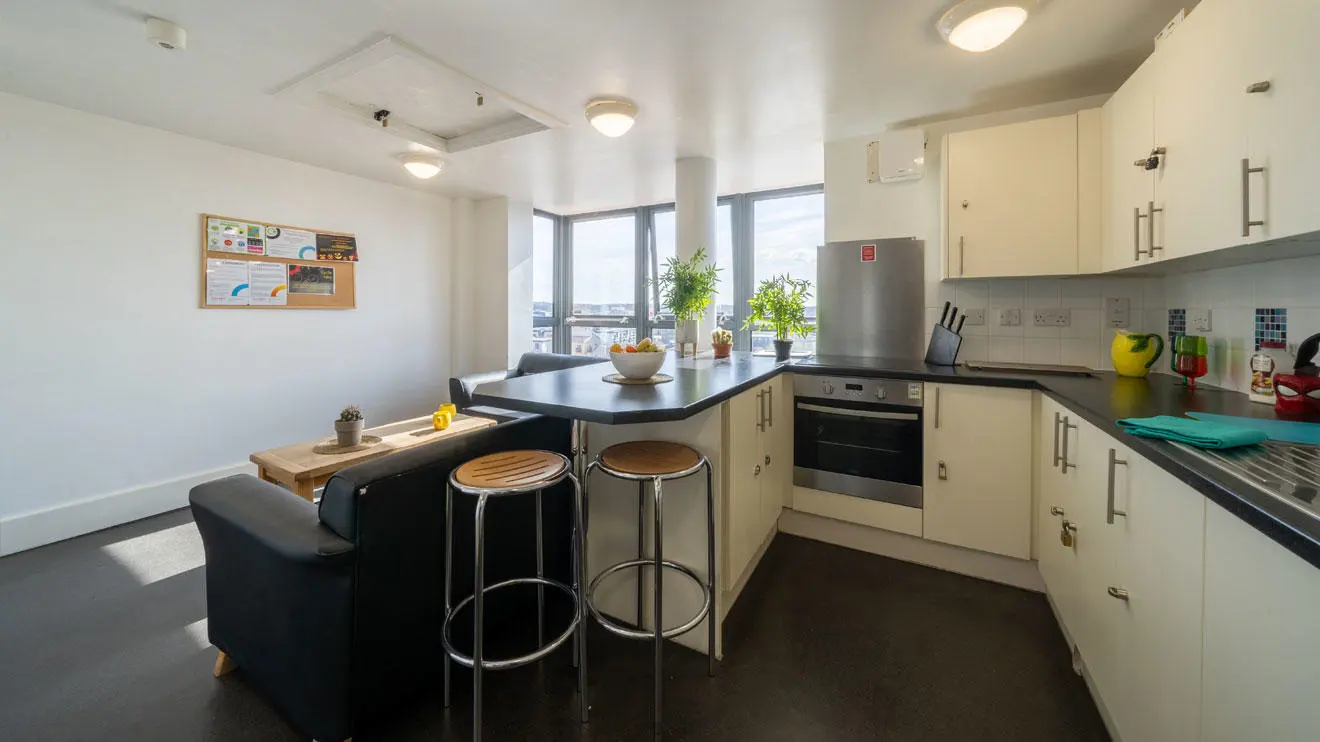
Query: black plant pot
[782,349]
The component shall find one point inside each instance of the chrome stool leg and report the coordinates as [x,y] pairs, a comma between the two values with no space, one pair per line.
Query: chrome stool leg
[641,546]
[449,571]
[580,582]
[714,616]
[478,613]
[540,573]
[658,597]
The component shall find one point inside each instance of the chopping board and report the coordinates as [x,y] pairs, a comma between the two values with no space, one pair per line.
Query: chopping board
[1285,431]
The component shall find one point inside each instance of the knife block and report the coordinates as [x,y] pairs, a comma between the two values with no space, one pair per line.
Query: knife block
[944,345]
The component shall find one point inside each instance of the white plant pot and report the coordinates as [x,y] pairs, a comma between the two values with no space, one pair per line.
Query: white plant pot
[349,433]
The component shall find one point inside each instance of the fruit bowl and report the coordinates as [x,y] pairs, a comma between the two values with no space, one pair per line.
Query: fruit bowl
[640,365]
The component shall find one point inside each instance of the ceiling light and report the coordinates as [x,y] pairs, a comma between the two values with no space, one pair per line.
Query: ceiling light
[612,117]
[981,25]
[421,165]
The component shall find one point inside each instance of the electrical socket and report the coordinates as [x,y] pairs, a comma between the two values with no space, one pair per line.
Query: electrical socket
[974,317]
[1118,311]
[1052,317]
[1199,320]
[1010,317]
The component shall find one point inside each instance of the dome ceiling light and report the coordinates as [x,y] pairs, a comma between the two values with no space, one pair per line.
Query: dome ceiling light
[612,117]
[982,25]
[421,165]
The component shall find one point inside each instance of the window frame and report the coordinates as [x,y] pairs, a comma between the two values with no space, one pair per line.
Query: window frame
[743,270]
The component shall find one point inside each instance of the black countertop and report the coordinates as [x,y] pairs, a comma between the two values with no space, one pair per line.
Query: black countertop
[1102,399]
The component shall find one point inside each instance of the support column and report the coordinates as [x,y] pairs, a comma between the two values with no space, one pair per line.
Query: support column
[695,207]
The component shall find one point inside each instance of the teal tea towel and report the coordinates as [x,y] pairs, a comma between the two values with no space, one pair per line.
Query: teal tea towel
[1199,433]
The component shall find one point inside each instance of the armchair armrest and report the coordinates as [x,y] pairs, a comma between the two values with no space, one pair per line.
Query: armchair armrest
[461,388]
[266,516]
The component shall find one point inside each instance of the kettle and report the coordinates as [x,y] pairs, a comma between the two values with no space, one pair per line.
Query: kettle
[1298,393]
[1134,354]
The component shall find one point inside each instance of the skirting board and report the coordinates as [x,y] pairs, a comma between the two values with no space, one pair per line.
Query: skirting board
[40,527]
[992,567]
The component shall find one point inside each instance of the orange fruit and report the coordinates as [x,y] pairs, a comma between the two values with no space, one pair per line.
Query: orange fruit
[630,349]
[616,348]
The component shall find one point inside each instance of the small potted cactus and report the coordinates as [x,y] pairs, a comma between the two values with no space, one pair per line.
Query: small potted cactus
[348,428]
[722,341]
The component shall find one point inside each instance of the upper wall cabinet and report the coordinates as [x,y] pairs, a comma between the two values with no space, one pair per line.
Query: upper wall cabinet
[1023,199]
[1129,184]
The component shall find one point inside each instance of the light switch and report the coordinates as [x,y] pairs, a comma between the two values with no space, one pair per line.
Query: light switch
[1118,311]
[1010,317]
[1199,320]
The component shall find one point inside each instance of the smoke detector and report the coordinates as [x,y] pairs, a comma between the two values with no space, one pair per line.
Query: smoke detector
[166,35]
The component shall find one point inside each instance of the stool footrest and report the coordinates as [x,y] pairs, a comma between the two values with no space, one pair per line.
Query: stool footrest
[630,633]
[512,662]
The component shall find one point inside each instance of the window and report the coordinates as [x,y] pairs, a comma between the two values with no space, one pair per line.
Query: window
[665,245]
[786,230]
[604,295]
[590,273]
[543,283]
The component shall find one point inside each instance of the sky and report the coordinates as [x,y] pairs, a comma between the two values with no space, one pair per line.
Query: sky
[786,233]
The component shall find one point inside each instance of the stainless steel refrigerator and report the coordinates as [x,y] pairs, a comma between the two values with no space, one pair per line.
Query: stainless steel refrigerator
[870,298]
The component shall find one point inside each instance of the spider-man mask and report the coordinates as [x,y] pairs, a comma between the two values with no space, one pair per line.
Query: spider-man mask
[1297,395]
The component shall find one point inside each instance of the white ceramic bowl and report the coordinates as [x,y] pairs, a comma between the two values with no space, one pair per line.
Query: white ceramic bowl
[638,365]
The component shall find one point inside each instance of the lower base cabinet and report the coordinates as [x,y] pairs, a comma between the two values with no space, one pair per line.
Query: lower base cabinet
[1261,639]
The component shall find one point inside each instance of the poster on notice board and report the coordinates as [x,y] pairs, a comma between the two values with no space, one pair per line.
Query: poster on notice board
[311,279]
[338,247]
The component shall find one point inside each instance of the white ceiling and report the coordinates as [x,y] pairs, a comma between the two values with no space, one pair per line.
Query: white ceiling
[757,84]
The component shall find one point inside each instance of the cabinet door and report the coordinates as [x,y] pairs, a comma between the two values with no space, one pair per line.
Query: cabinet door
[1012,199]
[977,485]
[742,508]
[1259,643]
[1129,134]
[1103,639]
[1054,559]
[1062,564]
[1281,48]
[1200,117]
[776,450]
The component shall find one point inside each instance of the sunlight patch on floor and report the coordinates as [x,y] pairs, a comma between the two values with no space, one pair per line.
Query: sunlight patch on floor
[159,555]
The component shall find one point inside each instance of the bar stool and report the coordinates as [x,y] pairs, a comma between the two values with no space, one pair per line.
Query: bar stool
[499,475]
[658,462]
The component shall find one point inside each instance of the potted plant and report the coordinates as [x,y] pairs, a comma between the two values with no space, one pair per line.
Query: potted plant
[722,342]
[687,288]
[780,304]
[348,428]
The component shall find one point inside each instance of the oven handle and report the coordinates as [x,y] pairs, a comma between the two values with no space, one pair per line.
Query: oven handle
[858,413]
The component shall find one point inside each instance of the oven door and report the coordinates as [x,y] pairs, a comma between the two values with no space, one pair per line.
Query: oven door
[860,449]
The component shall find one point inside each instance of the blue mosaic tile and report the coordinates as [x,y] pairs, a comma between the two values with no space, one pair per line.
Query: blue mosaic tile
[1271,328]
[1177,323]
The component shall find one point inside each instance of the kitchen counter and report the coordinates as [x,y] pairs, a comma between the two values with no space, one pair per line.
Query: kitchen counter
[1102,399]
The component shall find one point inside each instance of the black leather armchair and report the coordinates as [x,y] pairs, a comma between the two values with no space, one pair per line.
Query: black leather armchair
[333,613]
[461,388]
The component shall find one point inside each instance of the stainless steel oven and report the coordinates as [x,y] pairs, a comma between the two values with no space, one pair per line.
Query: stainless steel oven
[858,437]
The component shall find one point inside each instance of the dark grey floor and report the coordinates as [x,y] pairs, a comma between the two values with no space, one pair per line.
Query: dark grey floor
[103,638]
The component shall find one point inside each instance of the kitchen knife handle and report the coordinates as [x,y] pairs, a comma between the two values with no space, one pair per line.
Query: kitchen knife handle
[949,326]
[961,322]
[945,314]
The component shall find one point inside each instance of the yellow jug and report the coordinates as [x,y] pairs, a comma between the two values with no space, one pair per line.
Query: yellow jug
[1134,354]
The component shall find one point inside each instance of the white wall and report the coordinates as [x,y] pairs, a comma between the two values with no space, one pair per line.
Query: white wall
[492,283]
[118,391]
[855,210]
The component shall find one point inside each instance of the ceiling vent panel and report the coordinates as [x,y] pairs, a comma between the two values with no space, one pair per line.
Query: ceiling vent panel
[428,102]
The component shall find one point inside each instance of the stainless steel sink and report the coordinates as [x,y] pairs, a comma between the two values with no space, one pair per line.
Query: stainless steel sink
[1289,472]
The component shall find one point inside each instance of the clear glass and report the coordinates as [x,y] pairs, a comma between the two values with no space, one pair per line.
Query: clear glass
[596,341]
[785,234]
[543,266]
[543,339]
[664,225]
[604,267]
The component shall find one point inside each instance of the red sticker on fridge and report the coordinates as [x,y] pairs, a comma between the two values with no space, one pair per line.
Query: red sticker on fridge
[868,253]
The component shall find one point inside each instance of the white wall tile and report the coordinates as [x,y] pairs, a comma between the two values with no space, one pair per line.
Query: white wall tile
[1006,350]
[1152,292]
[1035,350]
[1081,293]
[1079,352]
[974,349]
[1127,288]
[1042,292]
[972,295]
[1083,323]
[1007,293]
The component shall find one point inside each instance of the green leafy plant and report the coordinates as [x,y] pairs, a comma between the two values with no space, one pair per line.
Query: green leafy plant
[780,304]
[688,287]
[351,413]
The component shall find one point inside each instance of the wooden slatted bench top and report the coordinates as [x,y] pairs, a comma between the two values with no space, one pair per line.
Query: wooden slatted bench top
[510,469]
[649,458]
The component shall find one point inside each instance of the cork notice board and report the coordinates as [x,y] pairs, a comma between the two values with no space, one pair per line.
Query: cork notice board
[249,264]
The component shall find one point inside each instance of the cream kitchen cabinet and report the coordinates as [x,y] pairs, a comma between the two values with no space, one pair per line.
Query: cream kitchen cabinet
[1260,640]
[1129,187]
[758,473]
[978,468]
[1012,197]
[1280,46]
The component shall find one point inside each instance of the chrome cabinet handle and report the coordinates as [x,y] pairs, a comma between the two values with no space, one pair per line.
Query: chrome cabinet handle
[1259,87]
[1110,512]
[1150,228]
[1056,510]
[769,408]
[1119,593]
[1137,234]
[962,261]
[1064,459]
[1247,221]
[760,411]
[937,408]
[1057,419]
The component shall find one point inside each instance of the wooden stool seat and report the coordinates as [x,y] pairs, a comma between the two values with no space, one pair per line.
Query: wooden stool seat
[649,458]
[510,470]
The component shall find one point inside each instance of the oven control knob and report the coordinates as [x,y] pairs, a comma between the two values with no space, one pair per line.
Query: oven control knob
[880,393]
[827,387]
